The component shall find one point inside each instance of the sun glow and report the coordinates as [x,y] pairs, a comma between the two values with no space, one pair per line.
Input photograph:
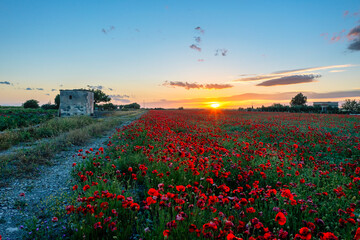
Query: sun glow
[215,105]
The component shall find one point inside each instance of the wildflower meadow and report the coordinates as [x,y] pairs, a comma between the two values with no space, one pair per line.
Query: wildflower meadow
[212,174]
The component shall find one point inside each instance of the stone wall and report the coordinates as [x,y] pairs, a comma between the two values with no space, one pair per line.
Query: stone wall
[76,102]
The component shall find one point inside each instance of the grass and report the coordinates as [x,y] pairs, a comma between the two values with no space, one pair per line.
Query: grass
[51,128]
[24,162]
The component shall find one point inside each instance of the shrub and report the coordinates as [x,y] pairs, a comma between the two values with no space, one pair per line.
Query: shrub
[49,106]
[31,104]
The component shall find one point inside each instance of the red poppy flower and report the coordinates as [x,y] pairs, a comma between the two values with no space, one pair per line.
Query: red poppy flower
[328,236]
[250,210]
[357,234]
[192,228]
[280,218]
[86,187]
[180,188]
[166,233]
[54,219]
[304,233]
[231,236]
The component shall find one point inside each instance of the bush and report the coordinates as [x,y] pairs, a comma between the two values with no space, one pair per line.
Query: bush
[49,106]
[108,106]
[31,104]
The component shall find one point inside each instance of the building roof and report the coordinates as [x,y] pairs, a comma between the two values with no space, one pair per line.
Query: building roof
[84,90]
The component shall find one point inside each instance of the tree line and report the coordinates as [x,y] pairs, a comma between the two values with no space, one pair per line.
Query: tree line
[298,104]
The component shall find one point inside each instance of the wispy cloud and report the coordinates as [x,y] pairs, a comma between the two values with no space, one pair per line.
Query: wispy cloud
[107,30]
[221,51]
[5,83]
[40,89]
[195,47]
[314,69]
[96,87]
[200,30]
[189,86]
[120,98]
[29,89]
[288,80]
[285,77]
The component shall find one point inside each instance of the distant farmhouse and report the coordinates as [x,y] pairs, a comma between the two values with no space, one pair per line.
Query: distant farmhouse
[324,105]
[76,102]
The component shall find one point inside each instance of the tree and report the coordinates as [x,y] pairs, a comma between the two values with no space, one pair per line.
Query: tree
[57,101]
[132,105]
[108,106]
[298,100]
[100,96]
[351,106]
[32,103]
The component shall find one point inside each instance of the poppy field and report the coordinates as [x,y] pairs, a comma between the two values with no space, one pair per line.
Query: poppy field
[196,174]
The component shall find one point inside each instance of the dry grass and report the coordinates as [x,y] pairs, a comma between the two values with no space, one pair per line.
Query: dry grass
[24,162]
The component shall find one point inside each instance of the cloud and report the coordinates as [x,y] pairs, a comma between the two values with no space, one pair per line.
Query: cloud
[40,89]
[200,30]
[355,45]
[338,36]
[354,33]
[222,52]
[122,100]
[53,89]
[336,71]
[284,75]
[200,60]
[217,86]
[354,36]
[96,87]
[5,83]
[288,80]
[119,96]
[313,69]
[106,31]
[29,89]
[346,13]
[198,39]
[189,86]
[194,47]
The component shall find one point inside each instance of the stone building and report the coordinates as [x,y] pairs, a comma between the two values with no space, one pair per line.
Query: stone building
[325,105]
[76,102]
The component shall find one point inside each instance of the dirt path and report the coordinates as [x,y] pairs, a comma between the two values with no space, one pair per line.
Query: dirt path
[15,210]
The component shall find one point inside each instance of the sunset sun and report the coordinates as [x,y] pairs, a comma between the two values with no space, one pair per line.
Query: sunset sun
[215,105]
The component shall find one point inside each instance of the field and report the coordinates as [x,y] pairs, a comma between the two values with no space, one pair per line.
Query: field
[23,149]
[220,175]
[17,117]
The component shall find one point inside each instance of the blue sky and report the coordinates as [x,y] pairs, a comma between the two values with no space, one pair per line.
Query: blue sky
[140,50]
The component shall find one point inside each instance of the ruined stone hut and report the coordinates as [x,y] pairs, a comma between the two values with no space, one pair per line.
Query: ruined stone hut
[76,102]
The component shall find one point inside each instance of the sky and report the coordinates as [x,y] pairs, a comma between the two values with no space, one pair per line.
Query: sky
[172,53]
